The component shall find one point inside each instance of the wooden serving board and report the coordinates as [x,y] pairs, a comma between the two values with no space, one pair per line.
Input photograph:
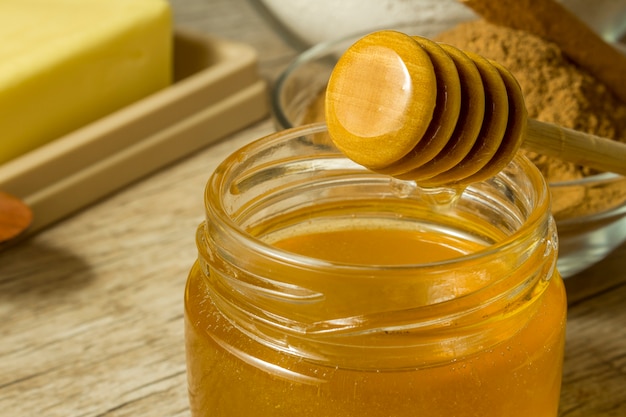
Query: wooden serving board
[216,91]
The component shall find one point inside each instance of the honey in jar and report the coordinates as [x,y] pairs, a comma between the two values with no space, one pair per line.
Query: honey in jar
[325,290]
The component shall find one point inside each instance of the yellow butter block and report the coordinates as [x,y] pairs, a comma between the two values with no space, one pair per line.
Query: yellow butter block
[66,63]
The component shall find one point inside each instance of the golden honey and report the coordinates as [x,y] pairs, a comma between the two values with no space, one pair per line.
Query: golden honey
[322,289]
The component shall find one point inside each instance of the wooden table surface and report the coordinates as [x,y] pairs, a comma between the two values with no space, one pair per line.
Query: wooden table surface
[91,309]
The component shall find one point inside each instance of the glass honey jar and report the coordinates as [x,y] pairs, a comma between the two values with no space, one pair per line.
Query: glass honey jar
[322,289]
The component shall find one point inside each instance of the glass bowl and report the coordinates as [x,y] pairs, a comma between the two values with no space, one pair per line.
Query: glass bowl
[590,213]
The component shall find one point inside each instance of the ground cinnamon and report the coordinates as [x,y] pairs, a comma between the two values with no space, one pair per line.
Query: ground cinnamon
[556,90]
[550,20]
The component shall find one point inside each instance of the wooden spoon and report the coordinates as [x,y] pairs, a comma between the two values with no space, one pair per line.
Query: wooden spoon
[395,105]
[15,217]
[550,20]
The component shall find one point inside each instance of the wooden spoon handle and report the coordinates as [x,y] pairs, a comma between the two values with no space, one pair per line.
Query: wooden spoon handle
[550,20]
[15,216]
[571,145]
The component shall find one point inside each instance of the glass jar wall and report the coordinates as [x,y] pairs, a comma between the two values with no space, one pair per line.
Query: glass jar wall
[322,289]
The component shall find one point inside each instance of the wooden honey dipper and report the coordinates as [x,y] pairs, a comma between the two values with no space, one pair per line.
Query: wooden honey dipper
[418,110]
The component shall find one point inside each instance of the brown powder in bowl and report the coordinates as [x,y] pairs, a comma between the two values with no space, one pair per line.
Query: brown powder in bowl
[556,91]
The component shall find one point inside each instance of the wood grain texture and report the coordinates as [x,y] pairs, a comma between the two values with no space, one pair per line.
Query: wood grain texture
[570,145]
[91,309]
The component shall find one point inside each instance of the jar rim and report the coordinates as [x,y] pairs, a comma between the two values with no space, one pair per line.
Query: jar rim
[220,180]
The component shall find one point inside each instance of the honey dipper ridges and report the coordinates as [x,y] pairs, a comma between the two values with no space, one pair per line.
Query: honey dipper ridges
[414,109]
[466,132]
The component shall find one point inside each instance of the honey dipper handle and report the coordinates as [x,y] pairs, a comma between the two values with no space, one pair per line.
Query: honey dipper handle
[571,145]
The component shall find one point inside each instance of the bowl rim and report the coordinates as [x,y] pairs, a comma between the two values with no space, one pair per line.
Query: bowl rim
[602,177]
[277,86]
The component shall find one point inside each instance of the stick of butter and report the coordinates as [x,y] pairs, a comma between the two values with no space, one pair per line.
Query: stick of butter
[66,63]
